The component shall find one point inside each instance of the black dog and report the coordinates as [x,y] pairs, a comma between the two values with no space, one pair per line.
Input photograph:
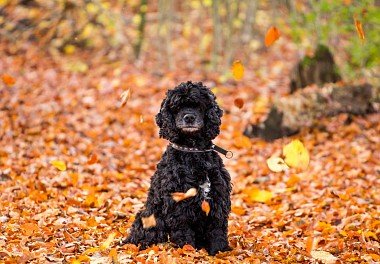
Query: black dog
[189,118]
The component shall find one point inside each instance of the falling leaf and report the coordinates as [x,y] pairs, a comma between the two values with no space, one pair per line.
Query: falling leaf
[239,103]
[237,70]
[179,196]
[149,221]
[323,256]
[359,29]
[8,80]
[141,119]
[257,195]
[124,97]
[296,155]
[205,207]
[277,164]
[272,35]
[60,165]
[106,244]
[93,159]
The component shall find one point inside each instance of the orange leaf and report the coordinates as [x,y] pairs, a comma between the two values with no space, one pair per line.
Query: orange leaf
[29,228]
[91,222]
[206,207]
[238,210]
[239,103]
[309,243]
[93,159]
[237,70]
[359,29]
[179,196]
[8,80]
[188,248]
[149,221]
[113,255]
[272,35]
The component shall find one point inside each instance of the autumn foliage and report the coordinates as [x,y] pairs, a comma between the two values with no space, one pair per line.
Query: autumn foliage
[78,144]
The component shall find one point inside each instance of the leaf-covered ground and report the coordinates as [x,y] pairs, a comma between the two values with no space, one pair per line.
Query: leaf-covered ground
[75,165]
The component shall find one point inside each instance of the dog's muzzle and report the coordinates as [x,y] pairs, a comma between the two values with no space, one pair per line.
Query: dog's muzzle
[190,129]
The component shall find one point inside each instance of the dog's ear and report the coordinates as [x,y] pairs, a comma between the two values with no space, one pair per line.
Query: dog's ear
[165,120]
[213,117]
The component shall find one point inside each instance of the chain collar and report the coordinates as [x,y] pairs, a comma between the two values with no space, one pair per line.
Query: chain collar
[228,154]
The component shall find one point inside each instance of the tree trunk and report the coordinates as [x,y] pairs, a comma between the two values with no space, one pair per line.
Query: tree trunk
[304,108]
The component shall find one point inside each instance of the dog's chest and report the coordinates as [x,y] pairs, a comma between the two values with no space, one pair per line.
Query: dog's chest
[198,171]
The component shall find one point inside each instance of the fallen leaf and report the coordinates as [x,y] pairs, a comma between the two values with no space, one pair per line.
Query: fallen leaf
[257,195]
[239,103]
[359,29]
[179,196]
[60,165]
[324,256]
[149,221]
[125,97]
[113,255]
[271,36]
[106,244]
[205,207]
[8,80]
[277,164]
[309,244]
[237,70]
[29,228]
[296,155]
[188,248]
[92,159]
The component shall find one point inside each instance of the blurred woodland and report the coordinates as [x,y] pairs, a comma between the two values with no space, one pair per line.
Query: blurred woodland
[81,82]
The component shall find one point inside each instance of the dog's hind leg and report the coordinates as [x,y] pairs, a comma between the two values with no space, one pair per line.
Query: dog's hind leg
[152,233]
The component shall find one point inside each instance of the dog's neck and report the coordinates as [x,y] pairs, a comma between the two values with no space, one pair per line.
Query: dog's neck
[192,142]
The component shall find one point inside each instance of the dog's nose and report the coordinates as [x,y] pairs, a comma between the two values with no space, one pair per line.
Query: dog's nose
[189,118]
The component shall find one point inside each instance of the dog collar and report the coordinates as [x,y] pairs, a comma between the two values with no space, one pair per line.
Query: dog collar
[228,154]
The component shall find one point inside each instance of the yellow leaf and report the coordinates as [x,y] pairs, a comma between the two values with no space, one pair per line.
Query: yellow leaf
[237,70]
[106,244]
[113,255]
[257,195]
[272,35]
[149,221]
[359,29]
[277,164]
[323,256]
[296,155]
[179,196]
[205,207]
[69,49]
[60,165]
[91,250]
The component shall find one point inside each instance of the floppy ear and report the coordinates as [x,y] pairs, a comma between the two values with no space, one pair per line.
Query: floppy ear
[165,120]
[213,118]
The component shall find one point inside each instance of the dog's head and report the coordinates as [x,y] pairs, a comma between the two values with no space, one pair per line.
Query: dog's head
[189,111]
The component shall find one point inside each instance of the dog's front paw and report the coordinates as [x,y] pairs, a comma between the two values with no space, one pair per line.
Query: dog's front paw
[218,247]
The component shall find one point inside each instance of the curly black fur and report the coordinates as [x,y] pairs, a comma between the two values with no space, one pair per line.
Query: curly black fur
[184,222]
